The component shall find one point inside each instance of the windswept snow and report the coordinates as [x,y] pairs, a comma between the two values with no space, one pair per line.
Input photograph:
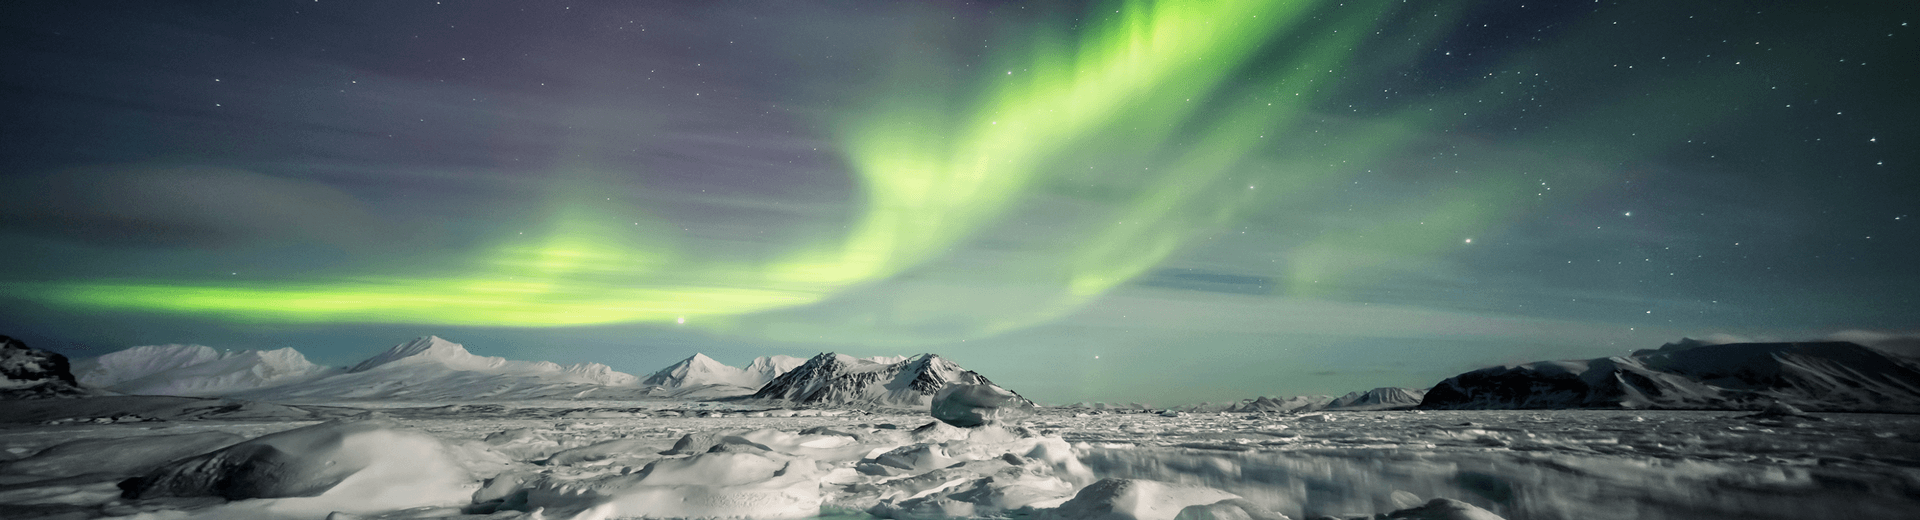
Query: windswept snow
[661,458]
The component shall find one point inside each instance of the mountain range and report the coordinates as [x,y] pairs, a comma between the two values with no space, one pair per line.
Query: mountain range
[425,369]
[839,379]
[1814,376]
[434,369]
[1818,376]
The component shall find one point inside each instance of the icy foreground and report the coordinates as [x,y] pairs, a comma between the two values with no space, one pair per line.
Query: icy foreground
[226,459]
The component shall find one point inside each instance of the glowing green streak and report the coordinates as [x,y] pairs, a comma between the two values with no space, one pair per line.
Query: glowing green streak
[928,184]
[930,187]
[928,179]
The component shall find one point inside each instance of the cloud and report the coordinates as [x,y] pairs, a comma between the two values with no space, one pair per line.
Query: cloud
[1722,338]
[1201,280]
[1907,344]
[188,207]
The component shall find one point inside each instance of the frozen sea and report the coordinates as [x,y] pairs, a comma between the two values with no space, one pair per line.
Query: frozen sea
[68,462]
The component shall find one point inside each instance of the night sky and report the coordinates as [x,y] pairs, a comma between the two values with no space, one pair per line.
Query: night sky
[1162,202]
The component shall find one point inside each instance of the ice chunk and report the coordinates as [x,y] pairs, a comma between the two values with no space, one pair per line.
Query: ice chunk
[601,451]
[1442,509]
[712,485]
[1230,509]
[352,466]
[128,456]
[1133,499]
[967,405]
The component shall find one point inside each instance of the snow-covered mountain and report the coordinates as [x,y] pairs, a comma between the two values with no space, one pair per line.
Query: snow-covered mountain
[138,362]
[27,372]
[1832,376]
[434,369]
[837,379]
[700,371]
[1304,403]
[220,374]
[1383,398]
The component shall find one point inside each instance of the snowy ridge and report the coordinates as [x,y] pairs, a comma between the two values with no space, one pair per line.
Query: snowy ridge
[431,349]
[1830,376]
[228,373]
[1384,398]
[838,379]
[138,362]
[1305,403]
[703,377]
[765,368]
[431,368]
[427,368]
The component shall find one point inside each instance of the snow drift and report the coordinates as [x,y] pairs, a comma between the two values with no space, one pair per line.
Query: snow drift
[355,467]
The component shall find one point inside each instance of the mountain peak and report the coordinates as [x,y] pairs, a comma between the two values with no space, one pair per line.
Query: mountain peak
[138,362]
[425,348]
[700,370]
[837,379]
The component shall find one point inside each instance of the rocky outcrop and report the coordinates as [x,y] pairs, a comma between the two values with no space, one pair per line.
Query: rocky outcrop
[1819,376]
[28,373]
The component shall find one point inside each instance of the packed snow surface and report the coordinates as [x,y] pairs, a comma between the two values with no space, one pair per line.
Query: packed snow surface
[667,458]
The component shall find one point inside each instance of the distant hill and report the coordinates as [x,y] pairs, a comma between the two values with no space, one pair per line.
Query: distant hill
[1384,398]
[1305,403]
[434,369]
[195,370]
[837,379]
[701,376]
[1815,376]
[425,369]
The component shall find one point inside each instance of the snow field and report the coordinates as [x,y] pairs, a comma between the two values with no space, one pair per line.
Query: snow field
[517,462]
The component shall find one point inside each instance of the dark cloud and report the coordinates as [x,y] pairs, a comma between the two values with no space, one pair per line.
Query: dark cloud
[186,207]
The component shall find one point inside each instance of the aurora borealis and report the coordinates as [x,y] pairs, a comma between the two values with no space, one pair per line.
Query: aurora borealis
[1219,199]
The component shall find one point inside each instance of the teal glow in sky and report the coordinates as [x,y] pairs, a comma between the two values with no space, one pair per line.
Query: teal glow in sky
[1119,201]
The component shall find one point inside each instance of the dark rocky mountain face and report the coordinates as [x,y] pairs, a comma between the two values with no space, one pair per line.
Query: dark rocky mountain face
[1831,376]
[836,379]
[27,372]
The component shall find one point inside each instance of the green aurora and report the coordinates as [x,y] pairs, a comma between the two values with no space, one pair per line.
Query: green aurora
[1177,110]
